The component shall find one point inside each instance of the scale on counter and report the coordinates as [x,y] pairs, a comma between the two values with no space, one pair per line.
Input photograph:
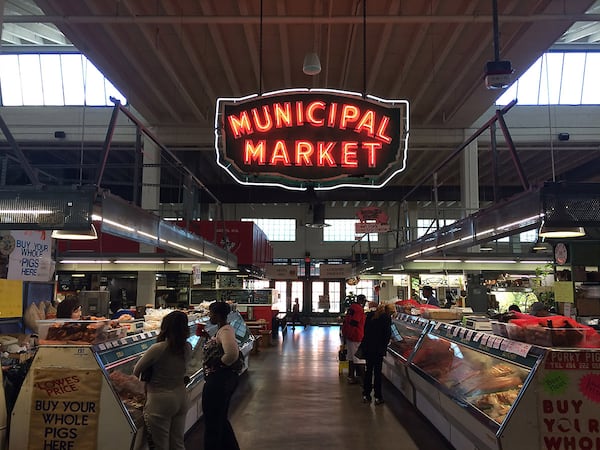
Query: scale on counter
[478,323]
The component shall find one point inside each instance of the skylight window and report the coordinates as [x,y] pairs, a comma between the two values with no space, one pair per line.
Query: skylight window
[53,80]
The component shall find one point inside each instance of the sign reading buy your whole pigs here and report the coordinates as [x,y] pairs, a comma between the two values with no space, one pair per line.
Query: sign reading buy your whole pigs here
[31,258]
[65,406]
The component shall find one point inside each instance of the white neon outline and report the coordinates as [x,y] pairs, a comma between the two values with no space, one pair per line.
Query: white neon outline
[225,166]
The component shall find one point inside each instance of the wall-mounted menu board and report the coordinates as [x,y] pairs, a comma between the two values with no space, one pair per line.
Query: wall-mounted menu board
[198,296]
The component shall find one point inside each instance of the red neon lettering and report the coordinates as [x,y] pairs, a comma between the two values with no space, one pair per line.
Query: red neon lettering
[254,152]
[332,113]
[349,114]
[299,113]
[371,147]
[304,151]
[367,122]
[310,113]
[240,125]
[280,155]
[325,158]
[262,126]
[283,115]
[349,154]
[382,129]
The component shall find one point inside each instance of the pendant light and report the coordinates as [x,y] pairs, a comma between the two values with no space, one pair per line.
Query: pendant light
[76,235]
[312,64]
[560,232]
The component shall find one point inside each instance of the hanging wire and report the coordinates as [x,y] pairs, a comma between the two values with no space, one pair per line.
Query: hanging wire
[260,52]
[364,92]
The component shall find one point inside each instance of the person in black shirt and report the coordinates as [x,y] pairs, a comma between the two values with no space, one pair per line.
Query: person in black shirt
[378,331]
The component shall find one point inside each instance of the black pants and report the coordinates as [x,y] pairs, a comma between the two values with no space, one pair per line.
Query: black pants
[373,376]
[216,397]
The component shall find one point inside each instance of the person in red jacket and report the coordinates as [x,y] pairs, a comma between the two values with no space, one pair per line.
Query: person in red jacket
[353,330]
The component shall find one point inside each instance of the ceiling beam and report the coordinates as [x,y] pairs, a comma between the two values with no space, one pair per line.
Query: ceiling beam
[211,19]
[380,55]
[285,47]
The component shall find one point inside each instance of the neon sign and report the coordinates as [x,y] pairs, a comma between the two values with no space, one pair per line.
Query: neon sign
[324,139]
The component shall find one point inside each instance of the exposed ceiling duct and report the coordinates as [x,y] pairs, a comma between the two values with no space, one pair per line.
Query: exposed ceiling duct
[552,203]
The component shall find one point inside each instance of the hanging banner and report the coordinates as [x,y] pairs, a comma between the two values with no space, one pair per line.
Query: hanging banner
[338,271]
[281,271]
[31,258]
[569,400]
[318,138]
[65,406]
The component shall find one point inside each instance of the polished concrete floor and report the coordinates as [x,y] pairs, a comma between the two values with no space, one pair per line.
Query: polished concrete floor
[294,398]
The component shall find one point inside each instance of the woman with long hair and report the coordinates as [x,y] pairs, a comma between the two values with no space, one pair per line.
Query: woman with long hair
[221,353]
[166,399]
[378,332]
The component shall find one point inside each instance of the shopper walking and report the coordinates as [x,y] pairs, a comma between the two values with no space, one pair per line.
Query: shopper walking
[164,367]
[378,331]
[353,328]
[221,352]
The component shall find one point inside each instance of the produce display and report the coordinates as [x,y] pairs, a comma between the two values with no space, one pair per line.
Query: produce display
[488,384]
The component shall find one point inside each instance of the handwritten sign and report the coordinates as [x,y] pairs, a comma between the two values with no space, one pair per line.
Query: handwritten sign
[65,407]
[569,400]
[31,260]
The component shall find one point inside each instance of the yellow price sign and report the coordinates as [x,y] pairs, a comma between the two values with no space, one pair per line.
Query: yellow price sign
[11,298]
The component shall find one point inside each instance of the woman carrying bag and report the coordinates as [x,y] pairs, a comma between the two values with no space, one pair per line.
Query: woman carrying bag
[222,363]
[164,365]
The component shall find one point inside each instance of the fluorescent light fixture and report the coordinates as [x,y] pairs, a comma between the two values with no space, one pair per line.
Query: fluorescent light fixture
[535,262]
[118,225]
[74,235]
[485,248]
[143,233]
[519,222]
[186,261]
[437,260]
[490,261]
[139,261]
[78,275]
[483,233]
[25,211]
[175,244]
[84,261]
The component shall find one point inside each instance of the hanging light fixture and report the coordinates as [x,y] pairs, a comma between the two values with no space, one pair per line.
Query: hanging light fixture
[76,235]
[312,64]
[560,232]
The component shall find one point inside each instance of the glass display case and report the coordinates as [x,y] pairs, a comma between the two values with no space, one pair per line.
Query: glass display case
[100,377]
[406,332]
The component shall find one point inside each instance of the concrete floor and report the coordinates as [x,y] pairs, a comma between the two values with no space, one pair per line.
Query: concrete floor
[294,398]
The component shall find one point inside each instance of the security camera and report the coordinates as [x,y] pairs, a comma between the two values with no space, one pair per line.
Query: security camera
[497,74]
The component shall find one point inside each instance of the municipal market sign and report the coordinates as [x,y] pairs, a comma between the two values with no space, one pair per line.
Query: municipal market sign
[318,138]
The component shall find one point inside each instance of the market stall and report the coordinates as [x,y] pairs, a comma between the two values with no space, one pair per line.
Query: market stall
[85,396]
[483,391]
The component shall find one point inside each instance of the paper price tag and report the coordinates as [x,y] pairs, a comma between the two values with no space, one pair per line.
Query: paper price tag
[518,348]
[496,343]
[455,331]
[437,325]
[135,337]
[102,347]
[470,334]
[477,337]
[484,339]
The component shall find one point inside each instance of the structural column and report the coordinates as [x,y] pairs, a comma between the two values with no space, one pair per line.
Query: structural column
[146,281]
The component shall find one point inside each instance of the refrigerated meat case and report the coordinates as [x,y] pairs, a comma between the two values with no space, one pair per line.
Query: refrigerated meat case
[121,396]
[483,391]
